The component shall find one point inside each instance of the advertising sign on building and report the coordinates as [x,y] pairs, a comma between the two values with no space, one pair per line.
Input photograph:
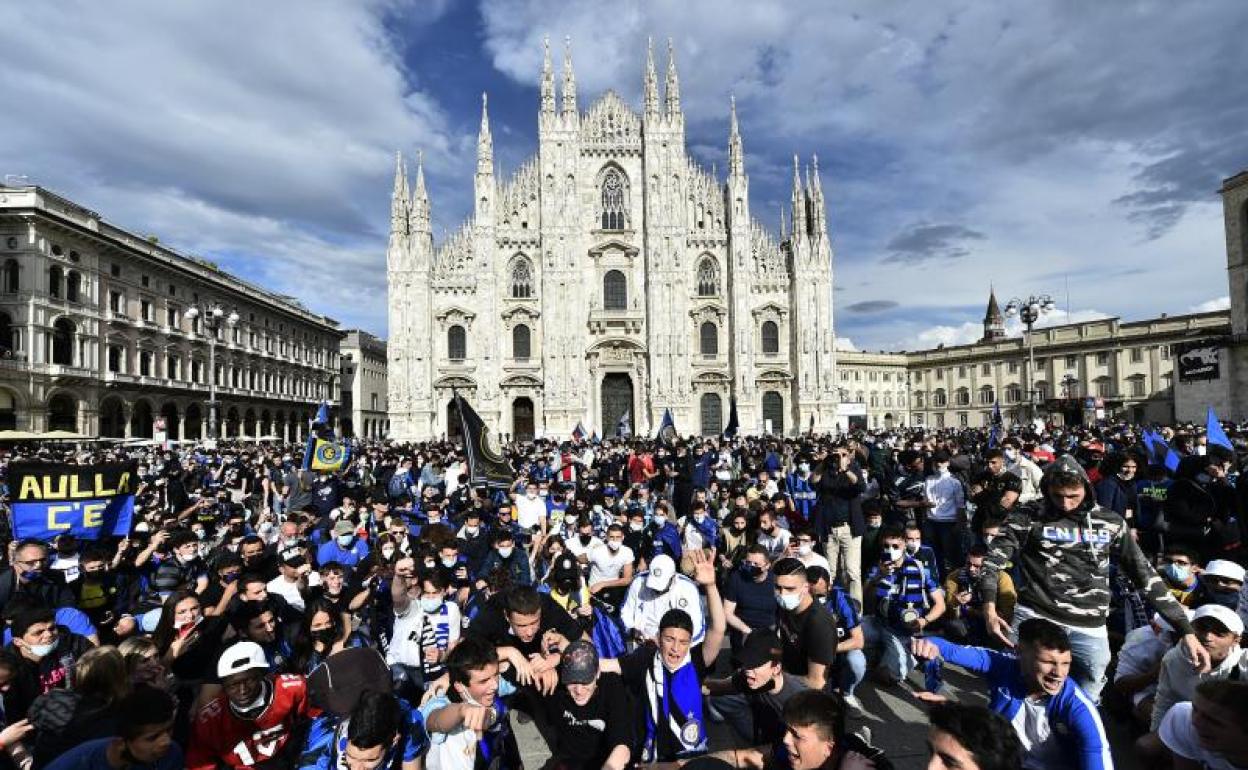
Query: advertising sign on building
[1198,361]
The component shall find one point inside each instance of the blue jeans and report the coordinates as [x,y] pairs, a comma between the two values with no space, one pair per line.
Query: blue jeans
[853,665]
[891,648]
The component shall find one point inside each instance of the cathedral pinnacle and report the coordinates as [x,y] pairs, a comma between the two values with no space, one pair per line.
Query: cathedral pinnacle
[400,201]
[672,88]
[548,81]
[569,81]
[485,142]
[652,81]
[420,198]
[736,154]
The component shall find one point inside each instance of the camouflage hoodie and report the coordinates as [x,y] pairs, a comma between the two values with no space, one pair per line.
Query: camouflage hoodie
[1065,558]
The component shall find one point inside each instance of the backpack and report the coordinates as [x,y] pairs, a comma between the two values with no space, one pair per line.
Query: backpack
[397,487]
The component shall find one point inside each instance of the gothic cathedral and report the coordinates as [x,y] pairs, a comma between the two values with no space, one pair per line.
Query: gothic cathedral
[608,279]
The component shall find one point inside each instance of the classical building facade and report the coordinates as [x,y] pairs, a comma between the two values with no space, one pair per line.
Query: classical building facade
[96,338]
[1214,371]
[609,278]
[364,389]
[1109,368]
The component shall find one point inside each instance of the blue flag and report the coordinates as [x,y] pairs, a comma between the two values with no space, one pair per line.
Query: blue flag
[1214,433]
[734,424]
[1160,450]
[667,429]
[994,435]
[578,433]
[87,501]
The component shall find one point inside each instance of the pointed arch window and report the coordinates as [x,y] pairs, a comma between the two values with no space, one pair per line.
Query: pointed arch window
[521,278]
[614,196]
[708,277]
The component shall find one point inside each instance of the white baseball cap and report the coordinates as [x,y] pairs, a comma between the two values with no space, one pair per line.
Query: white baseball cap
[662,570]
[239,657]
[1225,568]
[1224,615]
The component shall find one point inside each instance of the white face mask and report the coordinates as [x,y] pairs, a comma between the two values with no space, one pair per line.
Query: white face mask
[804,549]
[636,526]
[788,601]
[893,554]
[614,545]
[388,551]
[942,470]
[660,519]
[471,531]
[505,552]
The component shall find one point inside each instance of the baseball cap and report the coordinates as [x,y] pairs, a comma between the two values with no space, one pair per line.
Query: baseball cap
[1225,568]
[760,647]
[662,570]
[1224,615]
[292,556]
[579,664]
[344,527]
[240,657]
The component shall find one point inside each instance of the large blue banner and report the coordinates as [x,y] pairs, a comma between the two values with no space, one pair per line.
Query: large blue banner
[88,501]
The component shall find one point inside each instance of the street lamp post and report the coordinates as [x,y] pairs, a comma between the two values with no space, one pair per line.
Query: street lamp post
[1029,311]
[214,316]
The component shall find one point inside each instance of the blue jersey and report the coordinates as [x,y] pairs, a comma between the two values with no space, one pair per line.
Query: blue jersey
[803,495]
[1072,716]
[327,741]
[904,595]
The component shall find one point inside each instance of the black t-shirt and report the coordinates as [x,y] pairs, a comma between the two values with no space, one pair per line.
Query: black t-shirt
[756,602]
[586,735]
[805,637]
[492,625]
[635,668]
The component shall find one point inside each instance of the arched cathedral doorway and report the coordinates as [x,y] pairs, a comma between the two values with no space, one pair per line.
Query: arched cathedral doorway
[617,405]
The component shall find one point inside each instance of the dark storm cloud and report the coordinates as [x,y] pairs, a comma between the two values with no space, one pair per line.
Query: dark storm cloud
[926,241]
[872,306]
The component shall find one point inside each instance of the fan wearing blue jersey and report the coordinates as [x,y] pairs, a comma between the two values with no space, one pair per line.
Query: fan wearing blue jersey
[1056,721]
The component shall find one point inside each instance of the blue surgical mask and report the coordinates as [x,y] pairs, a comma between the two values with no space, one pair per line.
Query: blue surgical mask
[430,605]
[345,540]
[1176,573]
[32,574]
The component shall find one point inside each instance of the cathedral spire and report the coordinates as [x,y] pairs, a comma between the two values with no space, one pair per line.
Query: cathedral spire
[799,200]
[420,198]
[569,81]
[651,82]
[485,142]
[400,200]
[994,321]
[672,88]
[548,81]
[736,154]
[784,225]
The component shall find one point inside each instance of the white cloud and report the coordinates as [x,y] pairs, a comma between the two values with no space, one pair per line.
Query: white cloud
[845,343]
[259,129]
[1209,306]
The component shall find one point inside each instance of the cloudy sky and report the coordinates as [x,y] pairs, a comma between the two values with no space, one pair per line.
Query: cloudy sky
[1054,146]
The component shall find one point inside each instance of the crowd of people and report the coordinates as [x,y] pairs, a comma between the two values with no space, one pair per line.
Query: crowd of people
[700,602]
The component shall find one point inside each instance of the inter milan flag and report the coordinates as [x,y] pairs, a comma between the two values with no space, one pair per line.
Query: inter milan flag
[733,423]
[1214,433]
[87,501]
[578,433]
[325,455]
[485,464]
[667,429]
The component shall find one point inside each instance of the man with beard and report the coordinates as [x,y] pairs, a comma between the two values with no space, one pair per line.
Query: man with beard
[253,720]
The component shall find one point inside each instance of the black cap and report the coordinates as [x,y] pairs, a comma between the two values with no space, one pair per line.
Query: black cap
[760,647]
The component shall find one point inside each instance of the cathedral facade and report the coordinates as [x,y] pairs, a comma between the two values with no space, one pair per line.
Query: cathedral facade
[607,279]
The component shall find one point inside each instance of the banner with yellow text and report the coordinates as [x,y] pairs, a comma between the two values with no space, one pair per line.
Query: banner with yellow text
[88,501]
